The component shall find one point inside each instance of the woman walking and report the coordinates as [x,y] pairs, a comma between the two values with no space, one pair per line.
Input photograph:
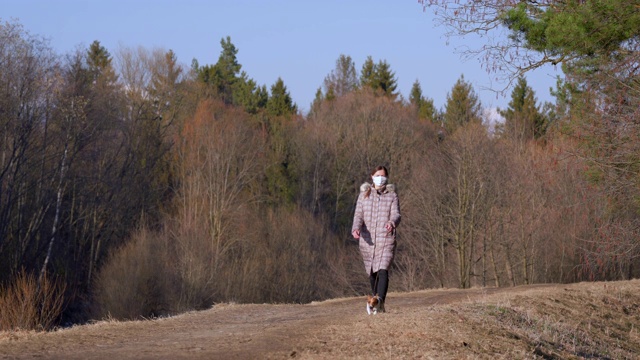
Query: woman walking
[375,221]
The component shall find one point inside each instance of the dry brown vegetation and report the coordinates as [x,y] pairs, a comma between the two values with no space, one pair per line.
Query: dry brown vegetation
[578,321]
[31,304]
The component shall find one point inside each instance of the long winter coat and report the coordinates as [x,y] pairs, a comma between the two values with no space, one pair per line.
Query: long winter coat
[372,213]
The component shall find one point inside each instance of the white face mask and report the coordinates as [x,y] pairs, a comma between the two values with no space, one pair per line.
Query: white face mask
[379,180]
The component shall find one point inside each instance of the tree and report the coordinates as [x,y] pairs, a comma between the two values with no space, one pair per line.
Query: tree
[368,73]
[219,158]
[424,106]
[386,79]
[576,32]
[599,57]
[596,42]
[248,95]
[280,102]
[379,77]
[32,165]
[343,79]
[462,107]
[344,139]
[318,99]
[547,32]
[223,76]
[166,77]
[99,63]
[523,120]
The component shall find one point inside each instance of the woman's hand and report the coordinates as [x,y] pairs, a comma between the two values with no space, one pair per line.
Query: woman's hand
[389,226]
[356,234]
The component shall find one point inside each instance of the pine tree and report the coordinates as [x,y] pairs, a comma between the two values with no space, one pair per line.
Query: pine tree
[424,106]
[224,75]
[379,77]
[280,179]
[523,120]
[462,106]
[280,102]
[318,99]
[367,73]
[248,95]
[385,79]
[99,63]
[262,97]
[415,96]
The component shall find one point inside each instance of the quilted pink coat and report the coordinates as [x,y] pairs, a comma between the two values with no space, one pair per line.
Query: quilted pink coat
[372,213]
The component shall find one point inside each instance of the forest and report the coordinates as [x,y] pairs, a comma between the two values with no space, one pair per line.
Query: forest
[133,186]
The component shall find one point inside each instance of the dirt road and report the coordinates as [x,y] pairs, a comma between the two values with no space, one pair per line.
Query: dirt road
[230,331]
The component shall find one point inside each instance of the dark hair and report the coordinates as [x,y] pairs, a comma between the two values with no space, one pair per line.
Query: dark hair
[378,168]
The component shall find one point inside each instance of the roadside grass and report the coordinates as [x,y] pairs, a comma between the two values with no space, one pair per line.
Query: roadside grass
[574,321]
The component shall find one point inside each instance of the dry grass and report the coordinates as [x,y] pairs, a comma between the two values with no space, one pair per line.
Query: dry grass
[26,306]
[580,321]
[577,321]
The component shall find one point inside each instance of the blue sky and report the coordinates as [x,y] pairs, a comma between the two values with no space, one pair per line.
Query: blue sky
[298,41]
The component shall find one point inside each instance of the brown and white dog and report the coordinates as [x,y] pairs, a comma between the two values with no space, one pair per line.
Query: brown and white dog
[374,304]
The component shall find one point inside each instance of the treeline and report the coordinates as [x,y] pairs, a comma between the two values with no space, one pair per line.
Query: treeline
[141,187]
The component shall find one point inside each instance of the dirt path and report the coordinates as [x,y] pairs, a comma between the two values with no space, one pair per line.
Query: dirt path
[224,332]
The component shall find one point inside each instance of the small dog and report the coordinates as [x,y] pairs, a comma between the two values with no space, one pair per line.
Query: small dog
[374,304]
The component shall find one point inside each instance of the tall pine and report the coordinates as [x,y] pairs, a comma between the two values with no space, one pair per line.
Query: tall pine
[280,102]
[379,77]
[424,106]
[523,120]
[462,106]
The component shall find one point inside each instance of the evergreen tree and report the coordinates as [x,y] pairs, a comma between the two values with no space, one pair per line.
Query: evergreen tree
[385,79]
[424,106]
[523,120]
[379,77]
[224,75]
[262,96]
[280,178]
[367,74]
[248,95]
[415,96]
[99,63]
[575,31]
[280,102]
[318,99]
[462,106]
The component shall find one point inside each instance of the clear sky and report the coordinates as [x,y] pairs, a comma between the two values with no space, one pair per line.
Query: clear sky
[296,40]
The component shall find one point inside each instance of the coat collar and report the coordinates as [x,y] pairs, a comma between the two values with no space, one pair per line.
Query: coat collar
[366,187]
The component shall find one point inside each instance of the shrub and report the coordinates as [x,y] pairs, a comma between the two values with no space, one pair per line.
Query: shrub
[26,306]
[134,282]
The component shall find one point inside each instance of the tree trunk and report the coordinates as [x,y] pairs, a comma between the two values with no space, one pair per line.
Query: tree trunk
[57,215]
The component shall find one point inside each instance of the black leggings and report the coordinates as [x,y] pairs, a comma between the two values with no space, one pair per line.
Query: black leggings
[379,283]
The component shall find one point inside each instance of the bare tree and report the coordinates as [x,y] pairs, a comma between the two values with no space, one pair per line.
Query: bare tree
[28,82]
[343,79]
[220,157]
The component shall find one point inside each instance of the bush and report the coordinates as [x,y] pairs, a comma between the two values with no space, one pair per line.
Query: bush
[26,306]
[289,259]
[135,282]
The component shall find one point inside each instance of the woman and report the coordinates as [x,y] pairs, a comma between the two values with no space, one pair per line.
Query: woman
[375,221]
